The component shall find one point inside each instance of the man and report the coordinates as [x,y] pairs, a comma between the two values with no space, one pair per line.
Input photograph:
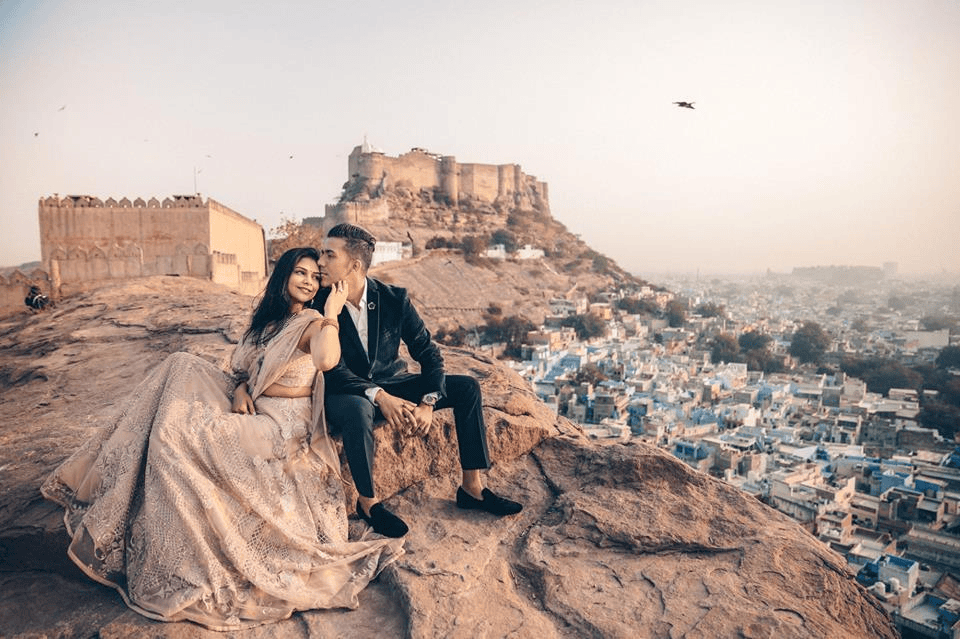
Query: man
[371,382]
[35,300]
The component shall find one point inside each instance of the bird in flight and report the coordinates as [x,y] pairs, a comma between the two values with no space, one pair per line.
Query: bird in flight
[686,105]
[62,108]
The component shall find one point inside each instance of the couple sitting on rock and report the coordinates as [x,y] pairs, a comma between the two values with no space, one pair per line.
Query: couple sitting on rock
[229,510]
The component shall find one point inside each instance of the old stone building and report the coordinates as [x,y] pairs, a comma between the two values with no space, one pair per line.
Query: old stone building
[371,173]
[84,239]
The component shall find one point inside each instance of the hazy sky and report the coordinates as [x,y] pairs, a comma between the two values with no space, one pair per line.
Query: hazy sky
[824,132]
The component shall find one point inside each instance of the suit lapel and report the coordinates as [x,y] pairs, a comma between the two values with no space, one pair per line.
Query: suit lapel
[373,319]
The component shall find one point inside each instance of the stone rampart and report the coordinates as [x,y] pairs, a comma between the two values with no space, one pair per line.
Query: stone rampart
[363,213]
[85,239]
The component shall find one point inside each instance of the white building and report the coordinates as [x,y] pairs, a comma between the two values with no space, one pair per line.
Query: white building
[387,252]
[529,253]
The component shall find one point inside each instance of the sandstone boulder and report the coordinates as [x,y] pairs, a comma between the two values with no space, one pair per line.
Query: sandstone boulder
[614,541]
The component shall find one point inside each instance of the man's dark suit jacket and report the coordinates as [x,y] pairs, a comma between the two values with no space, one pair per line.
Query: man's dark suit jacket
[390,319]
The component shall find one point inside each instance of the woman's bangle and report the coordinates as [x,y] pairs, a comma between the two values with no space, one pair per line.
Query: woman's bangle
[329,322]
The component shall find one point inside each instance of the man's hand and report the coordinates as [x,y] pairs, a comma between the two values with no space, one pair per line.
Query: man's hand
[423,419]
[242,402]
[397,411]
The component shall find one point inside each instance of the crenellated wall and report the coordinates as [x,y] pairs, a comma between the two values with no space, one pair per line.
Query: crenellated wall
[86,239]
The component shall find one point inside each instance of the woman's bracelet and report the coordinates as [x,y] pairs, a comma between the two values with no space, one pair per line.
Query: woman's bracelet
[329,322]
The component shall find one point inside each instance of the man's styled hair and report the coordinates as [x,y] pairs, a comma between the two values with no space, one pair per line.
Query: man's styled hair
[359,243]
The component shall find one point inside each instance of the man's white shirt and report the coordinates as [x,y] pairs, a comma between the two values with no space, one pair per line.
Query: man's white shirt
[359,317]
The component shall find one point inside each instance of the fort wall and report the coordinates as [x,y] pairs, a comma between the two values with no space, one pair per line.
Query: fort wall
[233,234]
[362,213]
[85,239]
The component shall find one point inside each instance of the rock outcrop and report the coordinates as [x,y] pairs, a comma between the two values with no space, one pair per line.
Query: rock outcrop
[615,540]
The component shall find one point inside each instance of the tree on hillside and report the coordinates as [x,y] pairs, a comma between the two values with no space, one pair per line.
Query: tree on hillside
[474,245]
[894,375]
[600,263]
[511,330]
[291,234]
[944,417]
[724,348]
[938,323]
[755,351]
[440,242]
[456,337]
[506,237]
[880,375]
[676,314]
[809,342]
[710,309]
[586,326]
[950,391]
[637,306]
[753,340]
[949,357]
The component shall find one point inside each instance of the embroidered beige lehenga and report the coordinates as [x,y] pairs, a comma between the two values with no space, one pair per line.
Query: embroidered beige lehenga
[193,512]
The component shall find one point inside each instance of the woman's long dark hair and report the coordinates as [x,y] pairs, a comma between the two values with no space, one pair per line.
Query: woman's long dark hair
[274,307]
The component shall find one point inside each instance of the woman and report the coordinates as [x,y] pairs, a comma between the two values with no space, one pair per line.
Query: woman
[229,514]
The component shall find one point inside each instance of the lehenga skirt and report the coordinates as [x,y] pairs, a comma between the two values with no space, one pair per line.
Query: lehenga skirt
[193,512]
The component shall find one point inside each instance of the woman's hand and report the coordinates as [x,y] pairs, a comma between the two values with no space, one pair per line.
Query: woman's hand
[242,402]
[336,299]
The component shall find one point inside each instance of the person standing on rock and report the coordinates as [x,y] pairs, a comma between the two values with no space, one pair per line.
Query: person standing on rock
[371,384]
[229,512]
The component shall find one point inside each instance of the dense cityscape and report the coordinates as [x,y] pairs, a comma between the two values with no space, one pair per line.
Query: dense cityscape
[829,395]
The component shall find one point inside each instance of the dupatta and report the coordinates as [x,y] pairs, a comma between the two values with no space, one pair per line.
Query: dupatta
[263,364]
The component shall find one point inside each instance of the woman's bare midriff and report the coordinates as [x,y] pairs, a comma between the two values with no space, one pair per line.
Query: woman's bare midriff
[276,390]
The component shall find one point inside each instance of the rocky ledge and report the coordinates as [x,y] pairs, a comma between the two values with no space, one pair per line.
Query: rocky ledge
[616,540]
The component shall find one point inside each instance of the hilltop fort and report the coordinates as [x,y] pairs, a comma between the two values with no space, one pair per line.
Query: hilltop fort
[372,175]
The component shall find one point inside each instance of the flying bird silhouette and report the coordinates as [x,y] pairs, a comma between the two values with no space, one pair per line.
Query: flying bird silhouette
[685,105]
[62,108]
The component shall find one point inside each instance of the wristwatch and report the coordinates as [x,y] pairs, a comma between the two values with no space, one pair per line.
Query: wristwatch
[430,399]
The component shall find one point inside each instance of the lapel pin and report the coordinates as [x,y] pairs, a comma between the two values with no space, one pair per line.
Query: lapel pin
[371,305]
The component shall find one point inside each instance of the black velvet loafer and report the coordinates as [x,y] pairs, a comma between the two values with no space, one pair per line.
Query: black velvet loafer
[492,503]
[383,521]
